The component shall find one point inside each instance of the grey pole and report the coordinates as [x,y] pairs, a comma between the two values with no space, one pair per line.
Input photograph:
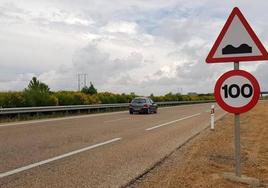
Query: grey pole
[237,137]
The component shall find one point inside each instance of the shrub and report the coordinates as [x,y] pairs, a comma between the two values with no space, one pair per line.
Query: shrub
[65,98]
[12,99]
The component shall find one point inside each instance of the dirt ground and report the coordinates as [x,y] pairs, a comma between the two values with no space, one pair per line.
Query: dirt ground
[202,161]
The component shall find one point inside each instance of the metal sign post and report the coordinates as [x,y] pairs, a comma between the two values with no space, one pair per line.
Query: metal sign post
[237,91]
[237,137]
[237,146]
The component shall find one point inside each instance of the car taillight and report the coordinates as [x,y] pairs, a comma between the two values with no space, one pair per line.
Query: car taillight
[146,105]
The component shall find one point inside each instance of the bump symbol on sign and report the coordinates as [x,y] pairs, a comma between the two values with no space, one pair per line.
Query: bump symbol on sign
[243,48]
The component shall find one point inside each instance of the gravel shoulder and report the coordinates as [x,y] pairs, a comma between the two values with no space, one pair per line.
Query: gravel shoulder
[202,161]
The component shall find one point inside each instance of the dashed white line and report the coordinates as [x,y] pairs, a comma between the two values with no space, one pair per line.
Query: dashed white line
[174,121]
[15,171]
[82,116]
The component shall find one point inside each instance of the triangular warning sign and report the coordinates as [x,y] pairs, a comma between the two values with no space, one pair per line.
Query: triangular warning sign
[237,42]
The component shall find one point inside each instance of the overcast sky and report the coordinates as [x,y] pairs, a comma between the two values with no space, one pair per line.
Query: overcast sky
[141,46]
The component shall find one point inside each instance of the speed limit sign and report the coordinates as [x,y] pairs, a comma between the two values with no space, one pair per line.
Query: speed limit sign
[237,91]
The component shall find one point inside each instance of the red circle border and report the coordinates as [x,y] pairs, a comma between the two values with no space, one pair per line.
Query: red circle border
[247,107]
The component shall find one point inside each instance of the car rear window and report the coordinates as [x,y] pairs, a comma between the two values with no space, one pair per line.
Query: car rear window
[139,101]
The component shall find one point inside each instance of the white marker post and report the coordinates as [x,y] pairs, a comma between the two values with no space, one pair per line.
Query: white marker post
[212,117]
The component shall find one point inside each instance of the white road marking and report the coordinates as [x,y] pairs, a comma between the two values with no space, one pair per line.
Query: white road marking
[184,118]
[15,171]
[60,119]
[84,116]
[109,121]
[184,105]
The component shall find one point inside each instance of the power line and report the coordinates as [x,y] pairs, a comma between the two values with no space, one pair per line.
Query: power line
[81,80]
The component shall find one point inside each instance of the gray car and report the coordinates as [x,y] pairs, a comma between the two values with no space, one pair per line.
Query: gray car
[142,105]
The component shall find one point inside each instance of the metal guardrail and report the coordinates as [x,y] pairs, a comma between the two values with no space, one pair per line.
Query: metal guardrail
[22,110]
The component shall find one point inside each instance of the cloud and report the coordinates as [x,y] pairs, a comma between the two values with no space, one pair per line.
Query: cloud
[104,71]
[153,46]
[261,74]
[121,27]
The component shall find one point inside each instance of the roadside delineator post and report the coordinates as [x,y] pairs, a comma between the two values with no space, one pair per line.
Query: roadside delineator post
[212,118]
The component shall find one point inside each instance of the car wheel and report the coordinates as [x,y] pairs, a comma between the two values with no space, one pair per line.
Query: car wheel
[130,112]
[155,111]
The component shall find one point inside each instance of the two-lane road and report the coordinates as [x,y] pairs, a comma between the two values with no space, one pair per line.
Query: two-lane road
[102,150]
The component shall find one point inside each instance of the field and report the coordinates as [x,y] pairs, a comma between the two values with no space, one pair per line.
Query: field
[202,161]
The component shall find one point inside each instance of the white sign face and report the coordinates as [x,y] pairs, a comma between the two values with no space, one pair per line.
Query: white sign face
[237,91]
[237,42]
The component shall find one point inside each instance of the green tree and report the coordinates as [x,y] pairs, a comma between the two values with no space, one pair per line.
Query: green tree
[38,86]
[91,90]
[38,94]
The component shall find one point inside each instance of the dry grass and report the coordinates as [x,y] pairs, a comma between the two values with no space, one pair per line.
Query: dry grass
[201,162]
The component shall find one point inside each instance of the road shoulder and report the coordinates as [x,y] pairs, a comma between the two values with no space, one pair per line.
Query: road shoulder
[202,161]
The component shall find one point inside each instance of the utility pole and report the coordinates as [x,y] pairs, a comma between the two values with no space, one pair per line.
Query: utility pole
[180,90]
[85,80]
[78,79]
[81,80]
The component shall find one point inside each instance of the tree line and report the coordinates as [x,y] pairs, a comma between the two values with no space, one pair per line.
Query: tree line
[39,94]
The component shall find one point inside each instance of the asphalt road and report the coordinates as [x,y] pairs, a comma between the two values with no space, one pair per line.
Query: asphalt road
[103,150]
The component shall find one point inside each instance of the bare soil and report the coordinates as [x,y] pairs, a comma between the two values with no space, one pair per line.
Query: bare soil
[202,161]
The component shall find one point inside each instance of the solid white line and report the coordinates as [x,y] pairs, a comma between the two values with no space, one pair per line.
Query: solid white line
[59,119]
[15,171]
[109,121]
[184,118]
[185,105]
